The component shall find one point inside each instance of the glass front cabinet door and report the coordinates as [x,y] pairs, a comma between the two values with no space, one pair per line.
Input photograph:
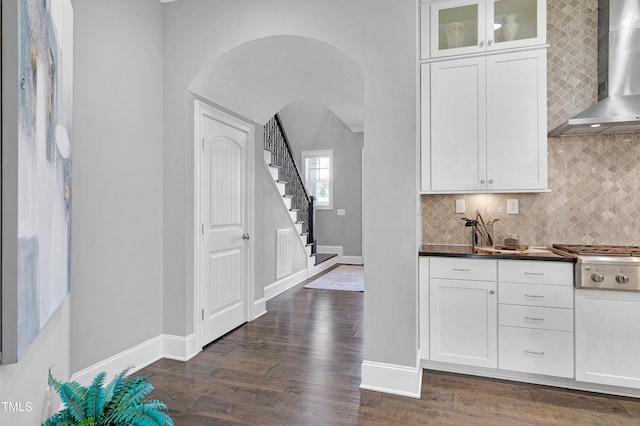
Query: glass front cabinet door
[458,27]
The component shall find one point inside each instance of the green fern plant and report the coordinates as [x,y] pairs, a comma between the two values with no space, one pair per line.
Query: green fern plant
[121,402]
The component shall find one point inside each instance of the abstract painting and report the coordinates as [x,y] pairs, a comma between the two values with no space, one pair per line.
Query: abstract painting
[45,62]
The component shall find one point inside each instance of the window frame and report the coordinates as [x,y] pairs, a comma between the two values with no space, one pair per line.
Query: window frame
[319,154]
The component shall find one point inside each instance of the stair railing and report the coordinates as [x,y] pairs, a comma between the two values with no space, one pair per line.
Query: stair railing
[276,140]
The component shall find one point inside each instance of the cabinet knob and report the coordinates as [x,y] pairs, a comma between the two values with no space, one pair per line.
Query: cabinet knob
[492,292]
[490,180]
[481,43]
[489,42]
[482,181]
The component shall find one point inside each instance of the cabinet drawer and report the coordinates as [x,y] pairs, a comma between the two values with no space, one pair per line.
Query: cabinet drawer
[552,296]
[531,272]
[558,319]
[463,269]
[536,351]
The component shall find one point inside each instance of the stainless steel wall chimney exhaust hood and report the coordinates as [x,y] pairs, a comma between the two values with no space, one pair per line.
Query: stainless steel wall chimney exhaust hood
[618,106]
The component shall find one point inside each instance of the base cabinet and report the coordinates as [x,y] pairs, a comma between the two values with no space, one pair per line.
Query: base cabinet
[608,338]
[463,313]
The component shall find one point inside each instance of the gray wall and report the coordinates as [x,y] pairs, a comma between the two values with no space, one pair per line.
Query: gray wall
[311,126]
[116,294]
[117,204]
[381,36]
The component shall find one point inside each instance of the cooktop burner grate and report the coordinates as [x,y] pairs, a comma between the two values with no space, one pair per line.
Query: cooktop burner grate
[600,250]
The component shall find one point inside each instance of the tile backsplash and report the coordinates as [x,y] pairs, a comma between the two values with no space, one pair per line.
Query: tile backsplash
[594,180]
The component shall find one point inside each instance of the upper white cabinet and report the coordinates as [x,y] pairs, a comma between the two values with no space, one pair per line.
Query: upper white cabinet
[484,124]
[458,27]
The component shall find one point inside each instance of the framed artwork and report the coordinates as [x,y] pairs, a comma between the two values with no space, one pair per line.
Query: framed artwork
[36,279]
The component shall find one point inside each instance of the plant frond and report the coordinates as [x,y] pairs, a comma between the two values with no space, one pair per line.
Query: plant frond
[113,387]
[74,386]
[135,390]
[73,401]
[95,398]
[149,413]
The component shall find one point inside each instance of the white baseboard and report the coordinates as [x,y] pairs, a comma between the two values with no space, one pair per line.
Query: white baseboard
[259,308]
[390,378]
[339,250]
[179,348]
[134,358]
[331,249]
[139,356]
[352,260]
[280,286]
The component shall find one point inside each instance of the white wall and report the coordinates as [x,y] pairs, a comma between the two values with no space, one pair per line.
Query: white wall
[379,35]
[310,126]
[117,178]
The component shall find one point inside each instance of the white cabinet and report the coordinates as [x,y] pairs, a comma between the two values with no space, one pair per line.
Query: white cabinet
[536,317]
[423,311]
[463,311]
[487,124]
[608,337]
[456,27]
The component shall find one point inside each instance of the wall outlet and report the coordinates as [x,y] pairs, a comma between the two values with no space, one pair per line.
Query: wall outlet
[341,212]
[460,206]
[513,206]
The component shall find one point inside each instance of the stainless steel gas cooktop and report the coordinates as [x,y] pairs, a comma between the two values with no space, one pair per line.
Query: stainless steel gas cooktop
[604,267]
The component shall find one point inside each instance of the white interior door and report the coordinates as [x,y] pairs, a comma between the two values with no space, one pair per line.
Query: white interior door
[224,266]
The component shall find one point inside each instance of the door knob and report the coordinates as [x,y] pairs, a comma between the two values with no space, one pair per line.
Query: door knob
[245,236]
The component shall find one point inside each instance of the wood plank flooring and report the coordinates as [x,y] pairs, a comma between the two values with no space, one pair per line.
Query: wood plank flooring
[300,365]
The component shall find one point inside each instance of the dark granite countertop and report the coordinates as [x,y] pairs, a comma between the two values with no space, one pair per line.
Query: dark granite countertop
[467,251]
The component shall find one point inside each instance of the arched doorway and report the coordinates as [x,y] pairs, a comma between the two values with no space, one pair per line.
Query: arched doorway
[257,79]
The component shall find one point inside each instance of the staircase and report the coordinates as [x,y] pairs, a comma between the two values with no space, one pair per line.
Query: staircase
[279,160]
[288,200]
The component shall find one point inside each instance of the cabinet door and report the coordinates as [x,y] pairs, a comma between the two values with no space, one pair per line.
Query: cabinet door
[425,128]
[463,322]
[517,121]
[458,125]
[607,337]
[457,27]
[423,307]
[515,23]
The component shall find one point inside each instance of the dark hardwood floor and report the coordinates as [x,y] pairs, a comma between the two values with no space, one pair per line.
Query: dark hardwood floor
[300,365]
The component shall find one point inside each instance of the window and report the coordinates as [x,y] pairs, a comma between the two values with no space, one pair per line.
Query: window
[318,176]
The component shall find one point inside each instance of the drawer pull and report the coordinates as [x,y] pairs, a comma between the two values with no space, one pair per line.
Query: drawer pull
[535,296]
[534,352]
[539,274]
[533,318]
[461,270]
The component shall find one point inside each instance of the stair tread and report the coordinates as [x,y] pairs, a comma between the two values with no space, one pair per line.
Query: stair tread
[281,181]
[287,196]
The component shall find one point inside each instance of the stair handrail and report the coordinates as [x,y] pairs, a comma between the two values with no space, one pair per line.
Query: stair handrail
[293,158]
